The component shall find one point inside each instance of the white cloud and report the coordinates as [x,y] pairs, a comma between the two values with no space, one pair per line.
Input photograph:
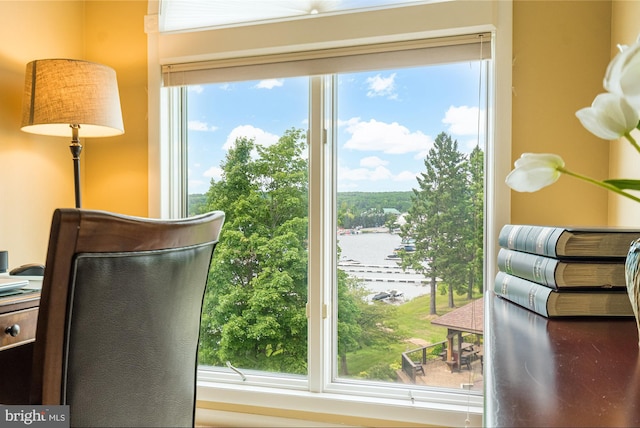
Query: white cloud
[362,174]
[382,86]
[197,125]
[406,176]
[261,137]
[214,172]
[377,173]
[372,161]
[269,83]
[390,138]
[467,146]
[463,120]
[195,88]
[421,155]
[349,122]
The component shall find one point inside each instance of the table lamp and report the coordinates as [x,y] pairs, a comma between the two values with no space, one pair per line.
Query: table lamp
[65,96]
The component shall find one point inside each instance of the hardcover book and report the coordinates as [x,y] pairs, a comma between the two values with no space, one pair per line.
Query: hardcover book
[563,273]
[551,303]
[559,242]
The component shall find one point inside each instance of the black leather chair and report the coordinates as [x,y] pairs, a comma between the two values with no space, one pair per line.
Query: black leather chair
[119,319]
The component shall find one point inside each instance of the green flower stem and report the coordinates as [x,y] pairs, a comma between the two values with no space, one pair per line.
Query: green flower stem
[601,183]
[632,141]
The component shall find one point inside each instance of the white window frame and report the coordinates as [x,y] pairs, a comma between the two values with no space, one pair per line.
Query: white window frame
[317,395]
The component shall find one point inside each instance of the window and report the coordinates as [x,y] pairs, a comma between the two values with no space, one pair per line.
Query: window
[403,137]
[247,152]
[190,14]
[376,128]
[322,82]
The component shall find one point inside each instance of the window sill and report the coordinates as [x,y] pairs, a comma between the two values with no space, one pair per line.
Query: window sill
[233,403]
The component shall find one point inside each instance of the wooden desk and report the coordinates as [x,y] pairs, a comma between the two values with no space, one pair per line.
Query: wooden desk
[550,372]
[16,352]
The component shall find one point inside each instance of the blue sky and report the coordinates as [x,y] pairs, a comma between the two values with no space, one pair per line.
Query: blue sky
[387,121]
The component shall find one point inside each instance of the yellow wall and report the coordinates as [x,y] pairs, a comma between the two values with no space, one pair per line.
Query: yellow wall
[116,168]
[624,159]
[561,51]
[560,48]
[37,172]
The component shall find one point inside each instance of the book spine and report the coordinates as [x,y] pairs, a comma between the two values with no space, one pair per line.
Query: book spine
[508,235]
[539,240]
[532,267]
[522,292]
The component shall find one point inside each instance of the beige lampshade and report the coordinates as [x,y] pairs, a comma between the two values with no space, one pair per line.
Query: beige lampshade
[63,92]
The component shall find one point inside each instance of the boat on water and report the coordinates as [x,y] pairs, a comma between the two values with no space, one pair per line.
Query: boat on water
[406,247]
[349,262]
[387,295]
[409,248]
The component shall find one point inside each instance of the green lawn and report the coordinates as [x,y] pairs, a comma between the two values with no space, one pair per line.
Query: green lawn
[415,322]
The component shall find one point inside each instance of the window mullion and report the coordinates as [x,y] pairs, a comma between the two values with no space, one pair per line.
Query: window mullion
[330,226]
[316,304]
[173,158]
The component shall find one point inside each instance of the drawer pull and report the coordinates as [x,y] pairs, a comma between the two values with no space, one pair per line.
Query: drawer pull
[13,330]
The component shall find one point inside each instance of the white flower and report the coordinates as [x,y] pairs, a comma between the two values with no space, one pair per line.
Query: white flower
[623,75]
[533,171]
[609,117]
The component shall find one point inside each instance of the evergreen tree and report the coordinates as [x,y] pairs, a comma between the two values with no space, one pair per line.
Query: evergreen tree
[438,219]
[476,238]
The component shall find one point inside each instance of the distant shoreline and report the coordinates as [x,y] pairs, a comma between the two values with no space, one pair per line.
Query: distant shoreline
[363,230]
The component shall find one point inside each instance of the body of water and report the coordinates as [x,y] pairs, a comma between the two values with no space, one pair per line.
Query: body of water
[376,272]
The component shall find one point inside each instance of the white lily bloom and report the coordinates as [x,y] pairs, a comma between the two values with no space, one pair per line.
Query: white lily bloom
[609,117]
[533,171]
[622,75]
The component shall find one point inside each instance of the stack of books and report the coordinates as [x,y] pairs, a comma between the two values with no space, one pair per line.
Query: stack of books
[563,271]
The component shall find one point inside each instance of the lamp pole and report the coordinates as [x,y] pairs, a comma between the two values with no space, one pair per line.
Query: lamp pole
[76,148]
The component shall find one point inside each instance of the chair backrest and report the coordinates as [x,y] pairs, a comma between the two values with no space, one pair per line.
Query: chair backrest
[119,319]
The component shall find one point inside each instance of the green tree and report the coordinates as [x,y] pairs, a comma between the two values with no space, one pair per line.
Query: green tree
[197,204]
[254,309]
[366,209]
[349,311]
[476,238]
[360,324]
[438,218]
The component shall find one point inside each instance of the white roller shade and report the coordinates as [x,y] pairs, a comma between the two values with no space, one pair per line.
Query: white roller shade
[348,59]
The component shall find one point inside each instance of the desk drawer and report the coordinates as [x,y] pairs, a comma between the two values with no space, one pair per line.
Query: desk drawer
[27,321]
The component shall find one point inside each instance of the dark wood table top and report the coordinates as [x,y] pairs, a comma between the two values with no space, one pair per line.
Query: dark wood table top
[15,302]
[559,372]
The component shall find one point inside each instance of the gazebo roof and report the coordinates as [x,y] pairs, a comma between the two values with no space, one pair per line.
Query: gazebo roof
[468,318]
